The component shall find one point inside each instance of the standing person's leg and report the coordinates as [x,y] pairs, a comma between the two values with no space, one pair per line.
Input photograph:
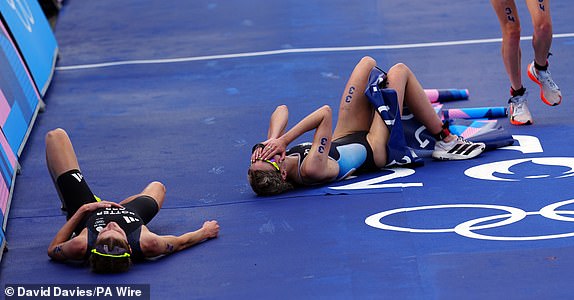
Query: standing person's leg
[510,25]
[541,42]
[65,172]
[542,23]
[518,112]
[355,111]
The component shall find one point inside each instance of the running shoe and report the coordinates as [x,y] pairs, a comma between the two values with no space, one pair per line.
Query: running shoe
[518,111]
[549,91]
[457,149]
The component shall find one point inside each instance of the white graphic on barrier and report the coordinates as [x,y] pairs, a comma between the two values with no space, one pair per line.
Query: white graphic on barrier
[469,228]
[24,13]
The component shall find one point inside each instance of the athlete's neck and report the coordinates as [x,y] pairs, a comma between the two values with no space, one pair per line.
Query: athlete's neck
[291,166]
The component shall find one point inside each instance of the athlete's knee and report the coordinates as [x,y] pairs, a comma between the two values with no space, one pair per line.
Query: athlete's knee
[543,29]
[56,135]
[156,190]
[157,186]
[511,32]
[368,61]
[281,107]
[400,68]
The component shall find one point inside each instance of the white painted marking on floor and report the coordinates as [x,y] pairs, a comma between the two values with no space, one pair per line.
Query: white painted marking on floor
[295,50]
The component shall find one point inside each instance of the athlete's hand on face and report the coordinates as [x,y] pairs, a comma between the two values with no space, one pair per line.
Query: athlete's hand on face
[272,148]
[256,154]
[101,204]
[210,229]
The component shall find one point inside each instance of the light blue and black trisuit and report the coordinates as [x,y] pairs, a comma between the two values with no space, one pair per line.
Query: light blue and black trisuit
[351,152]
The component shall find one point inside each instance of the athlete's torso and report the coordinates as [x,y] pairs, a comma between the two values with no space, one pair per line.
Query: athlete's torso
[351,153]
[128,220]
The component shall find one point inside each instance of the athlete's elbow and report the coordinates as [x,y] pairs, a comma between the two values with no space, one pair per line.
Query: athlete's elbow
[313,172]
[154,248]
[51,253]
[326,110]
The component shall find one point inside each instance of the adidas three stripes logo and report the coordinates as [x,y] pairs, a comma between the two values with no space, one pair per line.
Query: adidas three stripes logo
[463,149]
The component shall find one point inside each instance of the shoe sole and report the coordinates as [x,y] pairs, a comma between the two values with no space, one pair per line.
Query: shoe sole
[518,123]
[440,157]
[533,78]
[513,122]
[446,155]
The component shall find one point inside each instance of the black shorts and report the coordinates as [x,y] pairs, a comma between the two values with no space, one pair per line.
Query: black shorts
[145,206]
[75,192]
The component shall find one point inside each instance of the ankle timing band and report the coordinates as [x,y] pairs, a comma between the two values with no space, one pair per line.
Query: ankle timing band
[541,68]
[518,92]
[443,133]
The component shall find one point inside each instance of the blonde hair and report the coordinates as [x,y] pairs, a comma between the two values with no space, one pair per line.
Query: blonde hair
[266,183]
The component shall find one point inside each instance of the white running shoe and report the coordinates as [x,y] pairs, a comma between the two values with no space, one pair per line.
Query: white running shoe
[457,149]
[518,112]
[549,91]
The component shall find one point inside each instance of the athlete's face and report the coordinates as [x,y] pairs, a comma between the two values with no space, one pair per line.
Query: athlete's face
[112,230]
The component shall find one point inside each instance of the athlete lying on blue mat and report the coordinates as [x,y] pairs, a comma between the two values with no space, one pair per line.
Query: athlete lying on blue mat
[362,140]
[108,234]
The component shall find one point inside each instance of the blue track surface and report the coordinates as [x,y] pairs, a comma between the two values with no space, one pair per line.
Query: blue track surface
[191,122]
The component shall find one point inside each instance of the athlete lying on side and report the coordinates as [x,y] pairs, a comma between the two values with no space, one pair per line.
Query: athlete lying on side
[361,140]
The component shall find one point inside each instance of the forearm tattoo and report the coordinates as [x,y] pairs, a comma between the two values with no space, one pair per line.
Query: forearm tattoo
[58,251]
[169,248]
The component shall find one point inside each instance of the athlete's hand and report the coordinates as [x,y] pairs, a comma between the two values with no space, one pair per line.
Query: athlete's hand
[257,153]
[210,229]
[101,204]
[272,148]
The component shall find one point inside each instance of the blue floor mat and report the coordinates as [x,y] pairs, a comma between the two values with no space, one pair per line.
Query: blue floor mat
[190,124]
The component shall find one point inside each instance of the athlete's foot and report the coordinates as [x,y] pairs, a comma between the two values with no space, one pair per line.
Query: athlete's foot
[518,112]
[549,91]
[457,148]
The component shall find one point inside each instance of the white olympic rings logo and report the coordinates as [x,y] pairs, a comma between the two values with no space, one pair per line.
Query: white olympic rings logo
[469,227]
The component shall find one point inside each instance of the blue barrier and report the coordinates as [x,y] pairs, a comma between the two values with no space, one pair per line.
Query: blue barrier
[8,170]
[19,100]
[32,33]
[26,72]
[2,242]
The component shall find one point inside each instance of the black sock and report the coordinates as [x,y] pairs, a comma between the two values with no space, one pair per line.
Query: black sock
[518,92]
[541,68]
